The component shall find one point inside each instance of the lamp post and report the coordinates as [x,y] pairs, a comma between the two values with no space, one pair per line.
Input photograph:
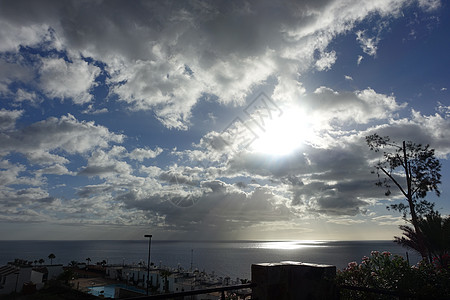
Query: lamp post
[149,236]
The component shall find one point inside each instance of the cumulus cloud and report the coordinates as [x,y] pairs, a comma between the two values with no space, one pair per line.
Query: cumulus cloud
[173,54]
[443,109]
[55,169]
[220,207]
[359,106]
[68,80]
[8,119]
[14,35]
[23,95]
[101,164]
[140,154]
[13,70]
[91,110]
[326,60]
[51,144]
[172,57]
[65,133]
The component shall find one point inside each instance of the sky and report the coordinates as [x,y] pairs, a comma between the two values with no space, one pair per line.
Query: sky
[240,120]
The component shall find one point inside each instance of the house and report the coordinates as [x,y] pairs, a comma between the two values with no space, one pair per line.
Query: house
[12,278]
[38,277]
[136,275]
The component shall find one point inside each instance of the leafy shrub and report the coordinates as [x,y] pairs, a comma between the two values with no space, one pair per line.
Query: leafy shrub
[385,271]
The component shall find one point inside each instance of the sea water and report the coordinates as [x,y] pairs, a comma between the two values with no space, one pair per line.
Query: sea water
[224,258]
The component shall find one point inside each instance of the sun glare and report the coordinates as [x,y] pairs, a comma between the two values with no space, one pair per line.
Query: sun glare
[290,245]
[285,134]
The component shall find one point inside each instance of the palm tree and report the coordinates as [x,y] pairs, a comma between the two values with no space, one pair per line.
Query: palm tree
[73,263]
[433,240]
[88,260]
[41,261]
[411,240]
[51,256]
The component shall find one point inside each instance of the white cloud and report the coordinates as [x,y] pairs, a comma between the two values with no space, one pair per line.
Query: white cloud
[359,106]
[221,207]
[63,134]
[326,60]
[430,5]
[445,110]
[103,165]
[167,59]
[22,95]
[349,78]
[344,221]
[15,35]
[389,220]
[359,60]
[91,110]
[140,154]
[68,80]
[8,119]
[12,70]
[55,169]
[368,44]
[421,129]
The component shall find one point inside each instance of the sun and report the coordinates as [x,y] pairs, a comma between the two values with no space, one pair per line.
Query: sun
[284,135]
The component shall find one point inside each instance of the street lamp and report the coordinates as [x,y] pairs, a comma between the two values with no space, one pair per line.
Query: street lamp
[149,236]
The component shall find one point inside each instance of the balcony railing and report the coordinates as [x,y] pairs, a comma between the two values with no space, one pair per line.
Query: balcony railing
[180,295]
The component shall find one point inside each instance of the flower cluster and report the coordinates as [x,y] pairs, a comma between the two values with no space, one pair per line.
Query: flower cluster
[385,271]
[442,262]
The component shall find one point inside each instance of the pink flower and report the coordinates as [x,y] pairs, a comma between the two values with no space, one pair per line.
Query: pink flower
[373,253]
[386,253]
[352,264]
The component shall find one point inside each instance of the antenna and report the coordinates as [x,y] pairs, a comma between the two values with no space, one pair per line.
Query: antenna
[192,257]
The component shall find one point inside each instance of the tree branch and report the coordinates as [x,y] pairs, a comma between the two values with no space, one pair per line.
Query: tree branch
[395,181]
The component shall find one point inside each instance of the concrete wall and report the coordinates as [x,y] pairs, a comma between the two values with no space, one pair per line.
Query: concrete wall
[293,281]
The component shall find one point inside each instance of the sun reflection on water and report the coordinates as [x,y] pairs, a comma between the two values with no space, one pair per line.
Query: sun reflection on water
[290,245]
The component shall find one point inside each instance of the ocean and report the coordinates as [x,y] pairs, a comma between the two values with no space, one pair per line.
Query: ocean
[224,258]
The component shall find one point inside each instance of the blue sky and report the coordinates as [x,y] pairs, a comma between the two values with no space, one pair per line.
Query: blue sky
[214,120]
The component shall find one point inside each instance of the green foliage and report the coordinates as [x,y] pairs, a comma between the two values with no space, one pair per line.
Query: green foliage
[66,276]
[434,240]
[391,272]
